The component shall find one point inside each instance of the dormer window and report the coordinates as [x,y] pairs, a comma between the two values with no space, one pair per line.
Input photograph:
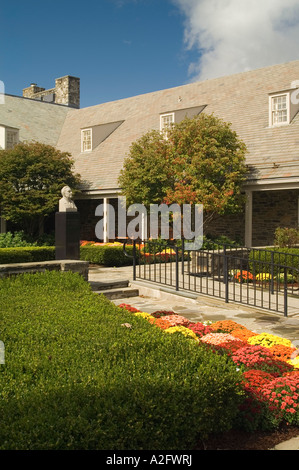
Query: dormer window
[86,140]
[93,136]
[176,116]
[283,106]
[280,109]
[12,138]
[166,121]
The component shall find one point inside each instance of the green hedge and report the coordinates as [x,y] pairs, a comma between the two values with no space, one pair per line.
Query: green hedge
[26,254]
[106,255]
[76,378]
[260,260]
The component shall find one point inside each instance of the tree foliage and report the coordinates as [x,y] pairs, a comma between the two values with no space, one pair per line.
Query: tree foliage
[31,178]
[201,161]
[145,175]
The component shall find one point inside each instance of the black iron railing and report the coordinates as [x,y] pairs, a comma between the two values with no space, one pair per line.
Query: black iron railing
[261,278]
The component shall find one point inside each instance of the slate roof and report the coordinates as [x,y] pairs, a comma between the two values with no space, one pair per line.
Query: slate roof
[241,99]
[36,120]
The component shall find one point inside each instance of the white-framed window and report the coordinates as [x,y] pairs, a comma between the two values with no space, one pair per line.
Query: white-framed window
[279,109]
[166,120]
[86,140]
[12,138]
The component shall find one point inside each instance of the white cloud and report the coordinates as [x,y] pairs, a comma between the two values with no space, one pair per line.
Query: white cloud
[233,36]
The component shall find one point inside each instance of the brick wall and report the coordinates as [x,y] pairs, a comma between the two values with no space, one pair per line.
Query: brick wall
[231,226]
[88,218]
[272,209]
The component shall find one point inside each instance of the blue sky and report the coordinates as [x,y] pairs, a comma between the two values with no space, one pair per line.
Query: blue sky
[122,48]
[117,48]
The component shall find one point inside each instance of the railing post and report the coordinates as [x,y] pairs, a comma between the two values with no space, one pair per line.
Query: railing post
[272,273]
[133,257]
[176,268]
[134,260]
[183,257]
[285,310]
[225,273]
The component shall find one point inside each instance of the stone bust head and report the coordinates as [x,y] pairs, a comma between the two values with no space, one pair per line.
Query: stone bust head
[66,203]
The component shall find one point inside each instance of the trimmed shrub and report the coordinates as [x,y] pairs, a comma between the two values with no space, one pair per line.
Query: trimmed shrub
[260,260]
[26,254]
[77,377]
[106,255]
[103,255]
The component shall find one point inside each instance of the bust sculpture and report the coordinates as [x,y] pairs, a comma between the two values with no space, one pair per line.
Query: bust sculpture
[66,204]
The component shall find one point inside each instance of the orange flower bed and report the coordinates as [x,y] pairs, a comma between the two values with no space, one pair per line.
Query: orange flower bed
[226,326]
[282,352]
[243,333]
[160,322]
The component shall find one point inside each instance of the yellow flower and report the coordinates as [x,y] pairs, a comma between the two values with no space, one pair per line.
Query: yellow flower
[267,340]
[263,277]
[143,314]
[182,329]
[294,362]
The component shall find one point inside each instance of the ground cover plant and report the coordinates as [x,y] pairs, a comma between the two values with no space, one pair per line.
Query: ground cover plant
[81,373]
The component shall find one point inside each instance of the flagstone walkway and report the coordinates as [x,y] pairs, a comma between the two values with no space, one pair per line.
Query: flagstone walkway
[198,307]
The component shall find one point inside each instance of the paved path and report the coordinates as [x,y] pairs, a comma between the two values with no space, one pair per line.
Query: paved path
[200,308]
[245,293]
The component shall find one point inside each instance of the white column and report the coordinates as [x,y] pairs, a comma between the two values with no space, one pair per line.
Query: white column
[106,219]
[248,219]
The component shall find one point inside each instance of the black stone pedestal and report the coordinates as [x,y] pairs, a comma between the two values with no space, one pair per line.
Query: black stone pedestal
[67,235]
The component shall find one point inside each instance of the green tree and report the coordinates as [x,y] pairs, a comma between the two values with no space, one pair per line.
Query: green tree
[31,178]
[202,161]
[145,175]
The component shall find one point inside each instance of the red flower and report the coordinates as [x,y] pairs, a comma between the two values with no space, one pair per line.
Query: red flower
[258,357]
[129,308]
[200,329]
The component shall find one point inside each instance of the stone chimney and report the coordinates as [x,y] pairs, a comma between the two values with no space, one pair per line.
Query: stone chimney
[32,90]
[66,92]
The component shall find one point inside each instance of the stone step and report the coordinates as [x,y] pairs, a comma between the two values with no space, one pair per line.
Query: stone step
[117,289]
[102,286]
[119,293]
